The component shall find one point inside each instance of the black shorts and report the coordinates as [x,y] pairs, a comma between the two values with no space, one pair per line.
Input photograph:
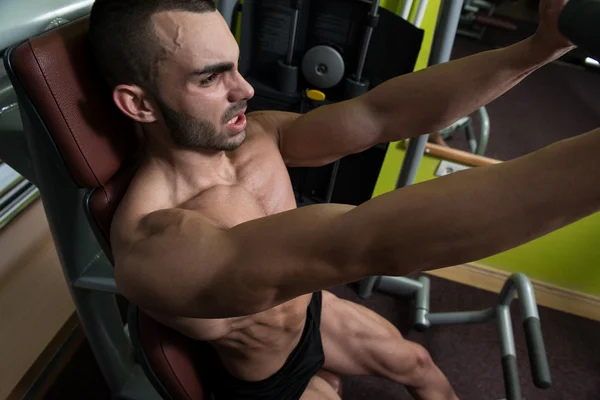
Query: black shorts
[290,382]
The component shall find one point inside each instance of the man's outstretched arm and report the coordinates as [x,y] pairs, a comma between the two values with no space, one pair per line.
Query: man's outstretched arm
[188,267]
[418,103]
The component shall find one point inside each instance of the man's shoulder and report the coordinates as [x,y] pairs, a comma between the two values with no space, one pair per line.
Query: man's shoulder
[139,201]
[270,123]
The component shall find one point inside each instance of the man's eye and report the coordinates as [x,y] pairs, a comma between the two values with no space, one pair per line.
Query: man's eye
[209,80]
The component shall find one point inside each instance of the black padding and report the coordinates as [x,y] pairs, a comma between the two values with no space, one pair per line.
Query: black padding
[511,378]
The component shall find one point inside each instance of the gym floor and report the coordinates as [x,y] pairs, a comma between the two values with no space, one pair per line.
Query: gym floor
[557,102]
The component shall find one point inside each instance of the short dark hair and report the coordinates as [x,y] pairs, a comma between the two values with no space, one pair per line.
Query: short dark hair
[123,44]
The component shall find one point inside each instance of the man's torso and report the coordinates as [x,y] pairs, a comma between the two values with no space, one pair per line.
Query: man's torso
[253,347]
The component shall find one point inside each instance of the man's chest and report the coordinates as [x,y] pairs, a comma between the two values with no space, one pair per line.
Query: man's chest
[261,187]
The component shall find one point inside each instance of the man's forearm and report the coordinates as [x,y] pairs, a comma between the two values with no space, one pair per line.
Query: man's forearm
[434,98]
[480,212]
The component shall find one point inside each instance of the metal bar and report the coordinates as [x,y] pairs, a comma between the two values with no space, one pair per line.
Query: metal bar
[445,32]
[332,180]
[292,43]
[540,369]
[98,276]
[519,283]
[441,48]
[421,8]
[99,283]
[412,160]
[471,140]
[366,286]
[507,341]
[509,354]
[484,131]
[226,8]
[366,42]
[465,317]
[405,10]
[422,305]
[399,286]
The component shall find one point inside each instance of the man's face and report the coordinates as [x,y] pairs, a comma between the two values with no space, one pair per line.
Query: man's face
[200,93]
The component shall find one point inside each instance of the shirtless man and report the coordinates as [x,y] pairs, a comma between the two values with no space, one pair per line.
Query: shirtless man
[208,239]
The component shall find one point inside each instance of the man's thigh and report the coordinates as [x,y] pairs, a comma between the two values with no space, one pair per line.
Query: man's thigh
[358,341]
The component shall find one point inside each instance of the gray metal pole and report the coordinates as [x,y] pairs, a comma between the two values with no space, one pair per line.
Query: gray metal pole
[294,32]
[366,42]
[443,41]
[226,8]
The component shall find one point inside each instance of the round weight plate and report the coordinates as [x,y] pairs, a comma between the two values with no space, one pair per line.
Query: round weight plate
[323,67]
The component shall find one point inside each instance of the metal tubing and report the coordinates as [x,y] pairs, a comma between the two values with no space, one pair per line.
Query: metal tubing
[466,317]
[332,180]
[99,276]
[366,286]
[366,42]
[509,353]
[441,48]
[507,341]
[422,305]
[538,359]
[412,160]
[226,8]
[399,286]
[292,43]
[405,10]
[421,8]
[445,31]
[484,131]
[519,283]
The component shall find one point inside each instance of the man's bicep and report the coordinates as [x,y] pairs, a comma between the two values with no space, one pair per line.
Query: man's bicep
[328,133]
[171,266]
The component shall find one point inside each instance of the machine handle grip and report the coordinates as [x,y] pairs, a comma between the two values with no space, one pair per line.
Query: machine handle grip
[540,370]
[579,23]
[512,385]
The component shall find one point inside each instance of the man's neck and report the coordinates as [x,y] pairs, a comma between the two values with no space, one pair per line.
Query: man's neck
[190,164]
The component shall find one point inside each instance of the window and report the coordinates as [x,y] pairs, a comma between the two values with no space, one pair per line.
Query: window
[16,193]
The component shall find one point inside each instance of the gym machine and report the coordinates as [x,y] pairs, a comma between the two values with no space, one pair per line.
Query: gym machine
[478,15]
[300,55]
[579,23]
[419,289]
[90,275]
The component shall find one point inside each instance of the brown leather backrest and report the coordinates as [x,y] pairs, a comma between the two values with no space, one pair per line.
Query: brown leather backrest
[96,142]
[93,137]
[178,361]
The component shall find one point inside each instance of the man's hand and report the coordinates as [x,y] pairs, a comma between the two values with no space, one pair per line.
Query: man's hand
[548,38]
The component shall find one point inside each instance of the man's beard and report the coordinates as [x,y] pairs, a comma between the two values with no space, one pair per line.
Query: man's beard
[197,133]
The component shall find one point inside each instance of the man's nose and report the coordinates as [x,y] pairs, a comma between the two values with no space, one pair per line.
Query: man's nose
[241,89]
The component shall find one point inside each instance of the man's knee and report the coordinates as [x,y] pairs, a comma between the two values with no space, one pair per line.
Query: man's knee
[319,389]
[421,360]
[408,363]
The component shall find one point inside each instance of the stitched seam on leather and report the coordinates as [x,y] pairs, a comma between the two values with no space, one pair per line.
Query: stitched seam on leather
[64,118]
[162,349]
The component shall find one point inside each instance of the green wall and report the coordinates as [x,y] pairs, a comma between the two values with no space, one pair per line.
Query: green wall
[568,258]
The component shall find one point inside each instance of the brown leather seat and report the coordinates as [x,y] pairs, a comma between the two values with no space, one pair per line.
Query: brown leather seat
[98,146]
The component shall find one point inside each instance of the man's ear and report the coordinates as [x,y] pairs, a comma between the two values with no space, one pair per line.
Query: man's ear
[134,102]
